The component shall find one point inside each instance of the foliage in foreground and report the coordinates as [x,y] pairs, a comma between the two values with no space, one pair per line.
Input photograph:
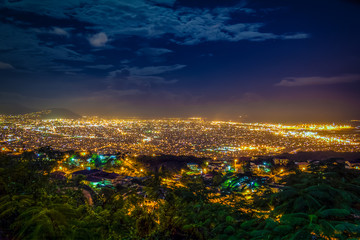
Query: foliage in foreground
[321,204]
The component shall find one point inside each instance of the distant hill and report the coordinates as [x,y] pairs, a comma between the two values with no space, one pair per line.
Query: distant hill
[51,113]
[59,113]
[15,109]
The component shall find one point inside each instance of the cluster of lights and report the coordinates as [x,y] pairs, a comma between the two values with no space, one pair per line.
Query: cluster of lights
[195,136]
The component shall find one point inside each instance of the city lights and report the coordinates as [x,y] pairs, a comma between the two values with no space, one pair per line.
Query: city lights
[195,136]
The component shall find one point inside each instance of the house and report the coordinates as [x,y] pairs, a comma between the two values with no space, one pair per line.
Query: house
[281,161]
[354,164]
[302,165]
[193,166]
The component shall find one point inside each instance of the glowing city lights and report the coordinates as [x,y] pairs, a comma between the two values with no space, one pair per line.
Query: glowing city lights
[197,137]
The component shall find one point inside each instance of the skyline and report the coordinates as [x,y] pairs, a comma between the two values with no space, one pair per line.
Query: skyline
[163,58]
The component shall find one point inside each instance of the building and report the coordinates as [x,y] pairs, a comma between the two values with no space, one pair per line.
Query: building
[281,161]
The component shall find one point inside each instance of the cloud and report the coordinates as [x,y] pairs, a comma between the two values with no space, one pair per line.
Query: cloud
[23,43]
[65,52]
[311,81]
[152,51]
[164,2]
[98,40]
[101,66]
[296,36]
[155,70]
[4,65]
[147,81]
[65,68]
[155,55]
[59,31]
[114,20]
[156,18]
[143,78]
[54,30]
[145,71]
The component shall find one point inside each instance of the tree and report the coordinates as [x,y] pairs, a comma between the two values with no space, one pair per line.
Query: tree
[45,222]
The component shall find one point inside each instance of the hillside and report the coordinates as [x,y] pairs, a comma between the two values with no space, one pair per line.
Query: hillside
[59,113]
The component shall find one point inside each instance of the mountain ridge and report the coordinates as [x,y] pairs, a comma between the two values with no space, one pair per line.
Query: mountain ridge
[49,113]
[60,113]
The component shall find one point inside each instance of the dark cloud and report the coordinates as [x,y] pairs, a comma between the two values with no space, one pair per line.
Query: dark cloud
[60,31]
[144,19]
[102,24]
[312,81]
[142,78]
[101,66]
[4,65]
[25,50]
[153,51]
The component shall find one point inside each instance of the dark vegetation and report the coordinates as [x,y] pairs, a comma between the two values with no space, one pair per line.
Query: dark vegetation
[320,155]
[170,162]
[322,203]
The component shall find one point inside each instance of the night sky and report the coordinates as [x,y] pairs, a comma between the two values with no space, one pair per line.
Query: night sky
[266,60]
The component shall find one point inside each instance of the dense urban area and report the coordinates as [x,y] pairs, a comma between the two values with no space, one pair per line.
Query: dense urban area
[91,178]
[195,136]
